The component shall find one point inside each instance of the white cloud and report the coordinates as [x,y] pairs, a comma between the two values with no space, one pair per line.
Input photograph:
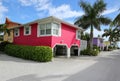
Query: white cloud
[109,11]
[26,2]
[3,10]
[96,32]
[38,4]
[42,5]
[63,11]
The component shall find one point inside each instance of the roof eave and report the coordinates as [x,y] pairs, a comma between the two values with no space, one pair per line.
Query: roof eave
[50,18]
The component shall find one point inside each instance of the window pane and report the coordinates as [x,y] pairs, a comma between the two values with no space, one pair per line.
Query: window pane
[27,28]
[27,32]
[48,31]
[42,32]
[45,29]
[42,27]
[55,32]
[55,28]
[16,32]
[55,25]
[48,26]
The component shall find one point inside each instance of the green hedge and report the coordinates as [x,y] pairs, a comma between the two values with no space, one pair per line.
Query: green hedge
[89,52]
[3,44]
[36,53]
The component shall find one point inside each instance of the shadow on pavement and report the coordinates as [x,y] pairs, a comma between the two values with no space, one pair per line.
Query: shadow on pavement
[34,77]
[4,57]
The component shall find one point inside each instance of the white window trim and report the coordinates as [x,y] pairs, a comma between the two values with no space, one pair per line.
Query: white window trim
[17,32]
[29,30]
[77,34]
[38,30]
[59,30]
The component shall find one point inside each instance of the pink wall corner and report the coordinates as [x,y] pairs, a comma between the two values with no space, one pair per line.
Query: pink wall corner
[68,36]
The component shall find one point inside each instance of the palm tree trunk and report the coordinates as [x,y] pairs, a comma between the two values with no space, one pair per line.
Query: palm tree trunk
[91,37]
[110,42]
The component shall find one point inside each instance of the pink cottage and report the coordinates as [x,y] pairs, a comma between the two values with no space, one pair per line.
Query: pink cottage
[62,37]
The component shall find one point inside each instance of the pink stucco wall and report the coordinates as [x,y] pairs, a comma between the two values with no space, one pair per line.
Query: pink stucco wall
[68,37]
[32,39]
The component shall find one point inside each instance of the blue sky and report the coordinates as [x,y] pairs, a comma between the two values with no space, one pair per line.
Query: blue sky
[24,11]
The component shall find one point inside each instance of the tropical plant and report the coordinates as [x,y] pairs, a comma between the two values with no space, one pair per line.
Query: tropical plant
[86,36]
[1,37]
[112,33]
[4,29]
[92,17]
[116,21]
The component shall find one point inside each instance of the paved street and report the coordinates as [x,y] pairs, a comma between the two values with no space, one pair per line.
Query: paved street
[105,67]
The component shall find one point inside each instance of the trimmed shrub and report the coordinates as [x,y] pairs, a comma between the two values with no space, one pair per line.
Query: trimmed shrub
[36,53]
[3,44]
[97,48]
[110,48]
[89,52]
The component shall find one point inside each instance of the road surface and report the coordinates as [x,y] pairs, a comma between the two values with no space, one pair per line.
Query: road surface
[106,69]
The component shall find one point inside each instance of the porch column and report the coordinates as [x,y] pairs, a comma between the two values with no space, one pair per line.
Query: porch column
[78,51]
[53,54]
[68,53]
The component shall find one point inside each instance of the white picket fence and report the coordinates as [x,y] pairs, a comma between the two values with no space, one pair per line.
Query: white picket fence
[83,45]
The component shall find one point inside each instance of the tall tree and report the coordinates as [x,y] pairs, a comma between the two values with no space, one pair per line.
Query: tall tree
[116,21]
[92,17]
[112,34]
[116,24]
[4,29]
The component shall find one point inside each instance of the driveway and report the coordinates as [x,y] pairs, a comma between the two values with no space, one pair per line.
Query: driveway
[104,67]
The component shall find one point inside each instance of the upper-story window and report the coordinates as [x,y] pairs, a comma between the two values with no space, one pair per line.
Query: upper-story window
[16,32]
[78,34]
[45,29]
[49,29]
[56,29]
[27,30]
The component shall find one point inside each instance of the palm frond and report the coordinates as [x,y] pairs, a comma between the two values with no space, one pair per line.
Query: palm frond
[85,6]
[104,20]
[99,6]
[116,21]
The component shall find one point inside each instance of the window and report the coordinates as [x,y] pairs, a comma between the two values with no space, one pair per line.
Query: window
[45,29]
[27,30]
[16,32]
[49,29]
[55,29]
[78,34]
[42,29]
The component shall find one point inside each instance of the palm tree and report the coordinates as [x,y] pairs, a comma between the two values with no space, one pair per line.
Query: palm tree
[86,36]
[93,17]
[112,33]
[116,21]
[4,29]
